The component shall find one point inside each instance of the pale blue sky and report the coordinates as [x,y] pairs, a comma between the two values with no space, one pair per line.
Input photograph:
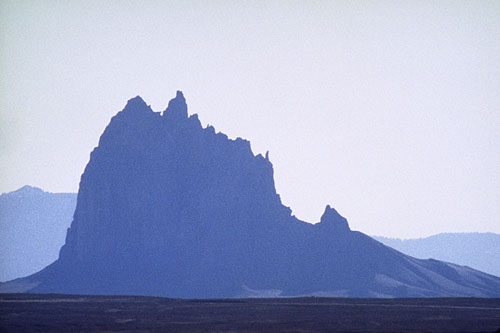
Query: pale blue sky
[387,110]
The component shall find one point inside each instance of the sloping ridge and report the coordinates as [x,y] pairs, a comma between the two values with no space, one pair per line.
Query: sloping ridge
[169,208]
[479,250]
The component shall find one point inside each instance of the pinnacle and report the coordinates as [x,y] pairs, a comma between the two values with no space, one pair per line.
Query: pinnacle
[177,107]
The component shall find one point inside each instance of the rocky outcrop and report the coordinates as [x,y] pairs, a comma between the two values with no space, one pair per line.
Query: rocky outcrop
[169,208]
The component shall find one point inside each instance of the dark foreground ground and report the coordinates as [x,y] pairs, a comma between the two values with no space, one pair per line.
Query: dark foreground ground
[49,313]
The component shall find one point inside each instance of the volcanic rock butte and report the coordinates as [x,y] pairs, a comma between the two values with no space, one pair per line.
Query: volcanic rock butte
[169,208]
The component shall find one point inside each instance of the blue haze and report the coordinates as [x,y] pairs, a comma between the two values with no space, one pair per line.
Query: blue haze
[388,109]
[477,250]
[33,226]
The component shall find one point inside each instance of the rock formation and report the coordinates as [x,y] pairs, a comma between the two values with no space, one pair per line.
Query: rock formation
[169,208]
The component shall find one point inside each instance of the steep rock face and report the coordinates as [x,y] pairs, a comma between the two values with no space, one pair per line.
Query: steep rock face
[169,208]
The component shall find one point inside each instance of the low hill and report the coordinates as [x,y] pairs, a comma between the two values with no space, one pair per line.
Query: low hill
[477,250]
[33,226]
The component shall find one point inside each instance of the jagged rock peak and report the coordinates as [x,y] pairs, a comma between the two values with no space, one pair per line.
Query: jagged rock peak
[332,218]
[177,107]
[136,104]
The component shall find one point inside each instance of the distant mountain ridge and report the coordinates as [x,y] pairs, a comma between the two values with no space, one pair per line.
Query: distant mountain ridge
[478,250]
[33,226]
[169,208]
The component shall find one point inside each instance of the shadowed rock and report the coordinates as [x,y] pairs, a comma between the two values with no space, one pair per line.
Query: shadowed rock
[166,207]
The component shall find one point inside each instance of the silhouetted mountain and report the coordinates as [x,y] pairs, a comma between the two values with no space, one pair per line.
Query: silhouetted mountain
[166,207]
[33,226]
[477,250]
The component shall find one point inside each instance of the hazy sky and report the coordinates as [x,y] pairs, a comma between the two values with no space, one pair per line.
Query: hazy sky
[388,111]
